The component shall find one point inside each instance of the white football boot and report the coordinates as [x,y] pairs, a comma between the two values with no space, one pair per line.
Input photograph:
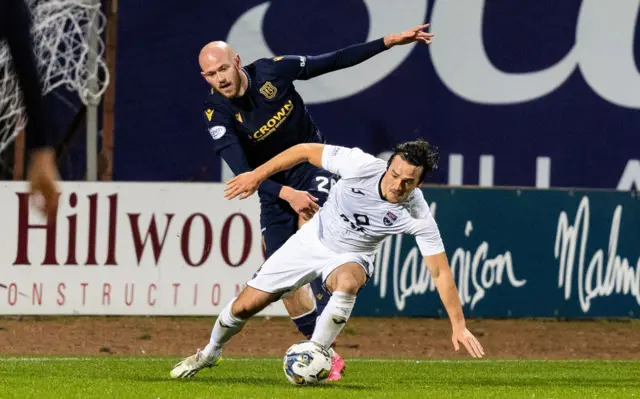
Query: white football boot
[194,363]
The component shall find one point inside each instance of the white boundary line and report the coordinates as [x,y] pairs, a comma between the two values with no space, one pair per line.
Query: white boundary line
[350,360]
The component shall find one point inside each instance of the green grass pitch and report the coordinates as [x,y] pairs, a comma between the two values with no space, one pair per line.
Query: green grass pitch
[144,377]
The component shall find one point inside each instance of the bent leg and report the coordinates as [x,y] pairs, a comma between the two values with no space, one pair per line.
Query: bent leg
[279,225]
[290,263]
[229,322]
[344,282]
[318,293]
[302,309]
[234,316]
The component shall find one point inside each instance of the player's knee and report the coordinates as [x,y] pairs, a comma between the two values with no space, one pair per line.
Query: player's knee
[348,278]
[348,283]
[300,302]
[242,309]
[251,301]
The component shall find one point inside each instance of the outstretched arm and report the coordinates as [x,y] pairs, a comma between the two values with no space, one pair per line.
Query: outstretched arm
[443,277]
[303,203]
[247,183]
[316,65]
[425,229]
[234,156]
[342,161]
[303,68]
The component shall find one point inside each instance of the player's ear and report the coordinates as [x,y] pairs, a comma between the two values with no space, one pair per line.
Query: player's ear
[204,76]
[237,61]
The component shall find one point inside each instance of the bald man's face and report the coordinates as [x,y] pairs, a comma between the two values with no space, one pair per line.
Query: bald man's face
[222,71]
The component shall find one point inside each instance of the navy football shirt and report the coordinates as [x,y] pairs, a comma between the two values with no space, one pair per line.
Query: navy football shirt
[271,116]
[15,28]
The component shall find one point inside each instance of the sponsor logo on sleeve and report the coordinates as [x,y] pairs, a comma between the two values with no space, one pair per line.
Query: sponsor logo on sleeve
[217,131]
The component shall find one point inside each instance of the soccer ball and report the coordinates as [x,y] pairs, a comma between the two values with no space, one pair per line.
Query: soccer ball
[306,363]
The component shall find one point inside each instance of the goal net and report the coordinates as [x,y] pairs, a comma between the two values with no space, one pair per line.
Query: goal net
[69,49]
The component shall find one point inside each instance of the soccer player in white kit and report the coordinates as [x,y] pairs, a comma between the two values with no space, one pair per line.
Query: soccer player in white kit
[372,200]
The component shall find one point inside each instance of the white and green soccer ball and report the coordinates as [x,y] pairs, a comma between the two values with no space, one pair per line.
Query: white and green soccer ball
[306,363]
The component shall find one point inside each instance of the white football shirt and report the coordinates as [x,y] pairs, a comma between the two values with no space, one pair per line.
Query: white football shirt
[355,217]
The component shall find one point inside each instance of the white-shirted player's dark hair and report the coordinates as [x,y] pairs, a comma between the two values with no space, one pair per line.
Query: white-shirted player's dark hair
[417,153]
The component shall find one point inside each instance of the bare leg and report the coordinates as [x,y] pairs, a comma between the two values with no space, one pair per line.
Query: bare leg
[252,301]
[235,314]
[301,305]
[300,302]
[318,293]
[229,322]
[344,282]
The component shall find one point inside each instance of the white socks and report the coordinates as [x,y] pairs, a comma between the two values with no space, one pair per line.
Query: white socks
[333,318]
[328,325]
[226,326]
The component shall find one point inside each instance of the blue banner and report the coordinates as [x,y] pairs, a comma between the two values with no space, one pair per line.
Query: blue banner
[534,93]
[519,253]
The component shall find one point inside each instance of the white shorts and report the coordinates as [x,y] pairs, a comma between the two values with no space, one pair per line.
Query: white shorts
[302,259]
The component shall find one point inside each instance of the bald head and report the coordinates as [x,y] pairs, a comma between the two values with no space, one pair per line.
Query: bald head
[221,68]
[215,51]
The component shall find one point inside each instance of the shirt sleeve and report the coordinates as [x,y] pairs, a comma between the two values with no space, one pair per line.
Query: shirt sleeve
[306,67]
[419,207]
[226,143]
[424,227]
[350,162]
[18,33]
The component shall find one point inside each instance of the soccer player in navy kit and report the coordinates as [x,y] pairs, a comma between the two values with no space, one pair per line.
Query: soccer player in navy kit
[253,113]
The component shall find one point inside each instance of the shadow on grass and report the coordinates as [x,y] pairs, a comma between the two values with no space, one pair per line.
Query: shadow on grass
[258,381]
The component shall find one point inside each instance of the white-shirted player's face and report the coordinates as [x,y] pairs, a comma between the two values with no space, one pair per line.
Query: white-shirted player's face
[400,179]
[223,74]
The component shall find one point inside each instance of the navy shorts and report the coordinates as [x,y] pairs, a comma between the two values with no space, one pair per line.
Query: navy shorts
[279,222]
